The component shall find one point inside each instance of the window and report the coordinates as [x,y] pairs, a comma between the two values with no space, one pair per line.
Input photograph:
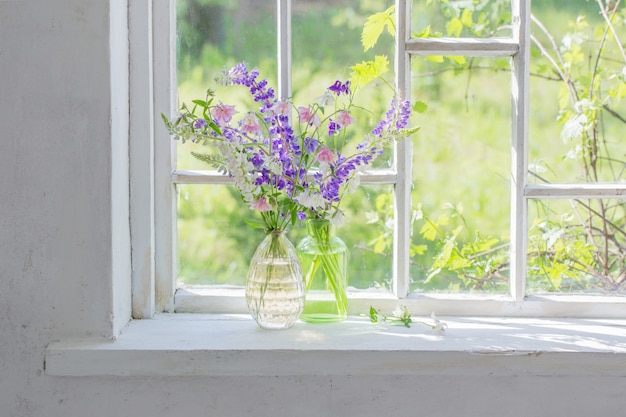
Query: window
[489,221]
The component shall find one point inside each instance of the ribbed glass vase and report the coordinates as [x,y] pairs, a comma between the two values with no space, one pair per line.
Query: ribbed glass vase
[274,286]
[324,260]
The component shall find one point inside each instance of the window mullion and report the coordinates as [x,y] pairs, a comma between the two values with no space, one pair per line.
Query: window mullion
[520,93]
[284,48]
[403,156]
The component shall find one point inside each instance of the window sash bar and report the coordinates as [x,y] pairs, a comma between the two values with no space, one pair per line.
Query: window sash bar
[591,190]
[520,78]
[284,48]
[403,156]
[488,47]
[388,176]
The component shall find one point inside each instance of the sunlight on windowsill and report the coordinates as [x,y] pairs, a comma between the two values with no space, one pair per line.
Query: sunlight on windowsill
[233,345]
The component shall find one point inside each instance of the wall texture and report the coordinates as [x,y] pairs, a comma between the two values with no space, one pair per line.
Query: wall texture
[64,240]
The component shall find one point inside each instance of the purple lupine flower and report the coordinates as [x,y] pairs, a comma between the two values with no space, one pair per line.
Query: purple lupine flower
[256,160]
[199,123]
[403,115]
[330,189]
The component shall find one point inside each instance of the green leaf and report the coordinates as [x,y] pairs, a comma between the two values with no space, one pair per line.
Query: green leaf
[420,107]
[373,315]
[454,27]
[418,250]
[215,161]
[466,18]
[255,223]
[365,72]
[429,230]
[380,244]
[375,25]
[460,60]
[215,128]
[435,58]
[200,103]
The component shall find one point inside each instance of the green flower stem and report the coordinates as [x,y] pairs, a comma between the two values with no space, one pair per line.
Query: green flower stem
[331,264]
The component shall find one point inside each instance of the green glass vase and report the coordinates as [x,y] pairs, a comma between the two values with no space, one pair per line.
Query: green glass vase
[324,260]
[274,286]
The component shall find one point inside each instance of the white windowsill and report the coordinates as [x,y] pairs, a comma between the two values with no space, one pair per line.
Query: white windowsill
[203,345]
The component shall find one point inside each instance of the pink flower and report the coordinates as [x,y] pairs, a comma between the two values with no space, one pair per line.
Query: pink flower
[307,116]
[222,113]
[261,204]
[250,124]
[282,108]
[325,155]
[344,118]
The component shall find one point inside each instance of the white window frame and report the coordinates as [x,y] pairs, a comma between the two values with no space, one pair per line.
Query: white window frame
[154,178]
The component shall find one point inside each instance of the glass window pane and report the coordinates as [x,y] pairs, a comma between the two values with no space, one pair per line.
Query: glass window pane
[367,231]
[215,244]
[577,111]
[326,44]
[577,246]
[461,185]
[215,35]
[471,19]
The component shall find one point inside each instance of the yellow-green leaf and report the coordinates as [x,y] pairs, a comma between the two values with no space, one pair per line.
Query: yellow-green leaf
[420,107]
[365,72]
[466,18]
[375,25]
[424,34]
[457,59]
[454,27]
[380,245]
[418,250]
[429,231]
[435,58]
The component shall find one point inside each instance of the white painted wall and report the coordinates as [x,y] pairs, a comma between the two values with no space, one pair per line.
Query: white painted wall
[64,241]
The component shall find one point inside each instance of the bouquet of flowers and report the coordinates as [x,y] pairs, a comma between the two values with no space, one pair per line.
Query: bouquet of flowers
[287,161]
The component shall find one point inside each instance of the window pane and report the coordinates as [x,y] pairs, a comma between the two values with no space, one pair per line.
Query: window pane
[215,245]
[326,44]
[577,246]
[577,111]
[367,231]
[461,194]
[471,19]
[218,34]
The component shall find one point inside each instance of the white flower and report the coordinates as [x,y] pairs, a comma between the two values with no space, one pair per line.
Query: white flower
[326,99]
[439,327]
[310,199]
[275,167]
[399,311]
[354,181]
[337,218]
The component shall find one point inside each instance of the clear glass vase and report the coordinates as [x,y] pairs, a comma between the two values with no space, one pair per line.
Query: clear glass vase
[274,286]
[324,260]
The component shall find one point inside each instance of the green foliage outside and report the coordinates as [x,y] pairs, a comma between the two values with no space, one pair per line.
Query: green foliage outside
[462,154]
